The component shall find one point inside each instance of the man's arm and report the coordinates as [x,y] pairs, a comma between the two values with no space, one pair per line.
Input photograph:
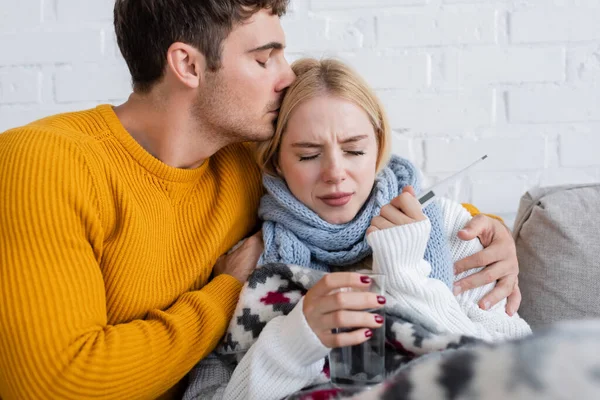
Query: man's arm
[55,340]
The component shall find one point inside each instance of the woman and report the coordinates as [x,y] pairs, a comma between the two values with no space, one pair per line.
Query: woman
[329,184]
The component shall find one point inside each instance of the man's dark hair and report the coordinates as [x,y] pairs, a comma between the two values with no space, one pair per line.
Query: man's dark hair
[146,28]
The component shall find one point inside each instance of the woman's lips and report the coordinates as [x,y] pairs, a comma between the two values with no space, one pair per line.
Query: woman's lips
[336,199]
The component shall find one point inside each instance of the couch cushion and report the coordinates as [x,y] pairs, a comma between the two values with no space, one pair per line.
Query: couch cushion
[557,234]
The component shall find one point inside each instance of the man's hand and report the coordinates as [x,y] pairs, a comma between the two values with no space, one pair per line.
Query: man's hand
[241,262]
[499,257]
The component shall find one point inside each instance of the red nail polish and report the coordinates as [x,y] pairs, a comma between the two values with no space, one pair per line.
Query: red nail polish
[381,299]
[369,333]
[379,319]
[365,279]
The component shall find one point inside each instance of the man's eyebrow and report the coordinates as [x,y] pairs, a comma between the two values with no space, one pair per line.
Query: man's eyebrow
[268,46]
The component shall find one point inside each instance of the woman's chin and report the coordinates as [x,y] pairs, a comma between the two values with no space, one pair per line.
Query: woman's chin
[338,218]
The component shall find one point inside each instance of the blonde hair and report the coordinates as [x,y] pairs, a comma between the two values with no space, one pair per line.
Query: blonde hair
[326,77]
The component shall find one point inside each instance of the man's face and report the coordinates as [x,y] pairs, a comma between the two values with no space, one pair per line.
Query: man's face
[241,100]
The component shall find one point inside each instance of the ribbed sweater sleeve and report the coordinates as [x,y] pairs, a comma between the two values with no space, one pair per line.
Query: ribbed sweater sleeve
[398,253]
[287,357]
[55,341]
[495,321]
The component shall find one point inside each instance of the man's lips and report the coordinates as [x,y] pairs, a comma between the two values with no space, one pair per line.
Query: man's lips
[336,199]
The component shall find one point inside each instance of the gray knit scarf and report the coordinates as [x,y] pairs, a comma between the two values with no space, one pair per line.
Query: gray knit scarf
[294,234]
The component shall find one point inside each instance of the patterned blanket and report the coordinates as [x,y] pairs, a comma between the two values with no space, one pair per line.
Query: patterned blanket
[420,362]
[274,289]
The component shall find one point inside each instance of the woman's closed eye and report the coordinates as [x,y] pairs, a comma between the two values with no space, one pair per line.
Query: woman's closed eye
[306,158]
[349,152]
[355,152]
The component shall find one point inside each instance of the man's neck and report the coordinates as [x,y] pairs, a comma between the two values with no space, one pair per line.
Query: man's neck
[168,131]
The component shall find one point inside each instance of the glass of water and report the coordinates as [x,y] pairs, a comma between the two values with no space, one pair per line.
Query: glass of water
[363,365]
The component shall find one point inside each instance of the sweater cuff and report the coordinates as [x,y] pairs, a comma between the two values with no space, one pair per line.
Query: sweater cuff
[224,291]
[400,246]
[299,340]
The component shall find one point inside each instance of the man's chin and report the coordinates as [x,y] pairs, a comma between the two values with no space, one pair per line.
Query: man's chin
[263,135]
[260,133]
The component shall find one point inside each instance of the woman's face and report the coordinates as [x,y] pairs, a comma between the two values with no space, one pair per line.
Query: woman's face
[328,157]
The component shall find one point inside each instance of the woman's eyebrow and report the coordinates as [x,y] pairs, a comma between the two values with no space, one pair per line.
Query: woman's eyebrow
[309,145]
[312,145]
[354,139]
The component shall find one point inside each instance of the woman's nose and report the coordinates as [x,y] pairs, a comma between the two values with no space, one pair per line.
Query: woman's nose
[333,172]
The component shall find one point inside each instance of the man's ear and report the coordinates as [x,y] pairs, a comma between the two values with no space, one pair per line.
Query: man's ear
[186,64]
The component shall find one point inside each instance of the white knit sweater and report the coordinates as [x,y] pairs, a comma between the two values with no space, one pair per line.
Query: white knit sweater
[288,356]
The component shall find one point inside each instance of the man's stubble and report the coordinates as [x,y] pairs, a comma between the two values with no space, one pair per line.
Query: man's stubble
[232,118]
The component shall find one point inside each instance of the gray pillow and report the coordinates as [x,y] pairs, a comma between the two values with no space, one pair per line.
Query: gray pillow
[557,234]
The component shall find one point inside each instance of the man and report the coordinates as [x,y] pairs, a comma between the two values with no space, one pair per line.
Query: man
[112,219]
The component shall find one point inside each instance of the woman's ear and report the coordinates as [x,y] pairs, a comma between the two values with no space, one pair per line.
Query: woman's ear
[276,165]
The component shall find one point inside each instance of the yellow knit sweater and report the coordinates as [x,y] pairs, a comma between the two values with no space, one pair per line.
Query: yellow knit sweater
[105,259]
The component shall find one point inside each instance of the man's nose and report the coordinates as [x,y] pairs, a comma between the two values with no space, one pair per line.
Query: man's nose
[287,77]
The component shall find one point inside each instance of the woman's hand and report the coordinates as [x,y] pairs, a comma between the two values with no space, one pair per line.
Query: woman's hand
[403,209]
[326,308]
[499,257]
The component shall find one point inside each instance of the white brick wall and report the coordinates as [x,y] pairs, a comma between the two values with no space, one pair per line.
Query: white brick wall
[518,80]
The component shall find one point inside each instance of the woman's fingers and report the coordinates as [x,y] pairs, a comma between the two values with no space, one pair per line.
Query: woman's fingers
[345,319]
[403,209]
[394,215]
[339,300]
[338,280]
[354,301]
[409,189]
[381,222]
[409,205]
[358,336]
